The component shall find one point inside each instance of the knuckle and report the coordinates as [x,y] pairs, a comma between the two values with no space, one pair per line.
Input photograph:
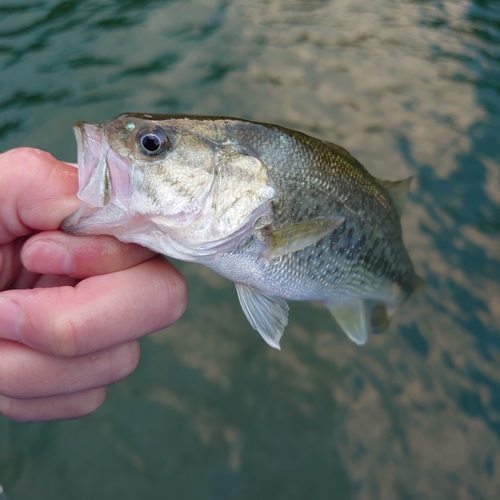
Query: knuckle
[176,295]
[121,361]
[12,380]
[65,337]
[129,359]
[51,326]
[5,371]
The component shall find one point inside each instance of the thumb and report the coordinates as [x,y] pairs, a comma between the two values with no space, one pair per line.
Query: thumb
[37,192]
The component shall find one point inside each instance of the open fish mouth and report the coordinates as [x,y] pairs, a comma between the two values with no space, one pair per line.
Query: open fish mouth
[93,169]
[104,180]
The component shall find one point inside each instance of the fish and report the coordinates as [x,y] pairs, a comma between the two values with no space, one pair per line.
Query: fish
[285,216]
[3,496]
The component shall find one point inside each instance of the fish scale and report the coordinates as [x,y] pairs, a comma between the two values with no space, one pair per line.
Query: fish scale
[283,215]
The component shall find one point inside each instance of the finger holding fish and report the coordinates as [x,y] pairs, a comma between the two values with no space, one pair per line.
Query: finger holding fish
[54,252]
[99,312]
[69,340]
[66,331]
[37,192]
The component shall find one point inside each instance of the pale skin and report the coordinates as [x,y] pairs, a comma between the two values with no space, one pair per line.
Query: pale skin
[71,307]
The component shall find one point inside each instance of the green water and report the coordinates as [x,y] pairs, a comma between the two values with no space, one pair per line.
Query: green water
[409,88]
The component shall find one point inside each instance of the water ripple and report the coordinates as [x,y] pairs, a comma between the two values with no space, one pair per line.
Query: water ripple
[410,88]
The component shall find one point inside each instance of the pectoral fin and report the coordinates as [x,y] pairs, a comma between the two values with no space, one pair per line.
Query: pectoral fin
[297,236]
[351,317]
[268,315]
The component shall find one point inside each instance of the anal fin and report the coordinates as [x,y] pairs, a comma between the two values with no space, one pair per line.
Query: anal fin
[268,315]
[351,316]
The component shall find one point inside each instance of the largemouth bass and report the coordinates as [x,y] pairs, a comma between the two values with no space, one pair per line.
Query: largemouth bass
[283,215]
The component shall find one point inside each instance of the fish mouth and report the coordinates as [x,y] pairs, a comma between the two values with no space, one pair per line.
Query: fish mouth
[104,180]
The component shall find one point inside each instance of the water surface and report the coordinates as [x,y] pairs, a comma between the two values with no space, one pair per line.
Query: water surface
[409,88]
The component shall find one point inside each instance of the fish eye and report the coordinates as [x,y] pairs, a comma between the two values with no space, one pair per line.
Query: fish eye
[153,142]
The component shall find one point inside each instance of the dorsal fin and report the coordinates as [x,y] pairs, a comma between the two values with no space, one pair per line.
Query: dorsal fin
[398,192]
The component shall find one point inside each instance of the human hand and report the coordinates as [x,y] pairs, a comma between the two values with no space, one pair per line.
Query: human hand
[71,307]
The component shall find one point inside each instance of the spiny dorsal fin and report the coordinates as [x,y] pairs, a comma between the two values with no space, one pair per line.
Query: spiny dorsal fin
[398,192]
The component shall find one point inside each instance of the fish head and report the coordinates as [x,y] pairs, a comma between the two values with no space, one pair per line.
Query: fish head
[179,186]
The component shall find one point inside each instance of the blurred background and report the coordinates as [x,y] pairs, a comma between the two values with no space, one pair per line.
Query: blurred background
[409,88]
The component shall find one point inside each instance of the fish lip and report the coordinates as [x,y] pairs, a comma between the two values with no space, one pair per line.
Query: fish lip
[88,153]
[92,164]
[98,166]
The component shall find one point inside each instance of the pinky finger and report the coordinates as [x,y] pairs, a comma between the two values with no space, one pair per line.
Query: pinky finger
[53,408]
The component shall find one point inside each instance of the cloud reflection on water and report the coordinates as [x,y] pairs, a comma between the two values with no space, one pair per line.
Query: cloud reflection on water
[409,88]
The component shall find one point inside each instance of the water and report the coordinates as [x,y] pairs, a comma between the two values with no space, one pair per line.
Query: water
[409,88]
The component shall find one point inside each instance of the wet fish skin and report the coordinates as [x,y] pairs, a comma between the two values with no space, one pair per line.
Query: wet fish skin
[282,214]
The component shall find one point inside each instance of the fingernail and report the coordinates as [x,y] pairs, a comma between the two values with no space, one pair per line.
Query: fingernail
[52,257]
[9,320]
